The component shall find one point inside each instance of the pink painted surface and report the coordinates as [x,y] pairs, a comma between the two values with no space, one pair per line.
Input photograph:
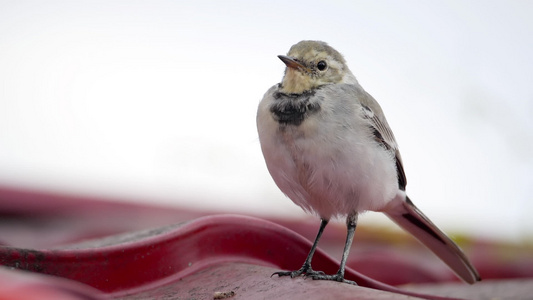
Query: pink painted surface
[106,249]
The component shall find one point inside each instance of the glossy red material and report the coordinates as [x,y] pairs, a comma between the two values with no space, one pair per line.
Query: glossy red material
[20,285]
[125,263]
[104,250]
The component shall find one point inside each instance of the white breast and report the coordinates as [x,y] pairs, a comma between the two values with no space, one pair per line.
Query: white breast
[330,163]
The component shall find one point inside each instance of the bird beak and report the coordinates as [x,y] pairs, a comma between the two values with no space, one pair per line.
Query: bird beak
[293,64]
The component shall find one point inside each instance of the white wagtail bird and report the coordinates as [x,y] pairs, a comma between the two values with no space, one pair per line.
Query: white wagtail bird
[329,148]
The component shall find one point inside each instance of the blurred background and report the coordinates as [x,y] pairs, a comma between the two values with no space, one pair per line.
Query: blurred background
[155,101]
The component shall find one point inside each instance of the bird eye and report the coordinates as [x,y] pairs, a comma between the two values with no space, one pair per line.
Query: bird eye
[322,65]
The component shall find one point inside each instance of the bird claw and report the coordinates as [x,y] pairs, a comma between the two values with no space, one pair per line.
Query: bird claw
[336,277]
[306,271]
[315,275]
[310,273]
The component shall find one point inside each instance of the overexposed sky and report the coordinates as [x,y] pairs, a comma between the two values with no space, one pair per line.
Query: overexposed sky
[156,100]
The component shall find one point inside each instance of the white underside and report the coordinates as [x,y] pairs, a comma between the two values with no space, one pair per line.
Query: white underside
[329,164]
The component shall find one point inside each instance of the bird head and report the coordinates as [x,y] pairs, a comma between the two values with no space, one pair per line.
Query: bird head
[311,64]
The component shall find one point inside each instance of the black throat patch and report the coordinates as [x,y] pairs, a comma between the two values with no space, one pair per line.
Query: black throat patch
[292,109]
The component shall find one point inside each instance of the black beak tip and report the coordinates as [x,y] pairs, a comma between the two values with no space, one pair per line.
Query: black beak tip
[284,58]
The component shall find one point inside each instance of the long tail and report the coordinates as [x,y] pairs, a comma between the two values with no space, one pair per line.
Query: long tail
[411,219]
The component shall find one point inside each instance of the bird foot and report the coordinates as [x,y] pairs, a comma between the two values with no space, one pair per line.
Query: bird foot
[304,270]
[336,277]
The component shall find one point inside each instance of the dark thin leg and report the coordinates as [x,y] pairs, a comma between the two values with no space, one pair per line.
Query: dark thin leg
[351,223]
[306,268]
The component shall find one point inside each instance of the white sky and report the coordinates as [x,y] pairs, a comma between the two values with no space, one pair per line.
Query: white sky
[156,100]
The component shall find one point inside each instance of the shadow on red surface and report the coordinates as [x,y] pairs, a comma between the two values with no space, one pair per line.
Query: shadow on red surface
[102,249]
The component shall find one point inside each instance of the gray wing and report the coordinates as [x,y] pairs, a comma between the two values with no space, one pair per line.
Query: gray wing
[383,134]
[405,213]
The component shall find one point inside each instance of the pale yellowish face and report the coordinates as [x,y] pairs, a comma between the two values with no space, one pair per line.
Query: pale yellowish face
[311,64]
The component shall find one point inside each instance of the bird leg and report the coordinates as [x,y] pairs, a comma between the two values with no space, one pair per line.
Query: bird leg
[306,267]
[351,223]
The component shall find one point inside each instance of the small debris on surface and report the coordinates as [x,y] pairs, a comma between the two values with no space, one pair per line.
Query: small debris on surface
[223,295]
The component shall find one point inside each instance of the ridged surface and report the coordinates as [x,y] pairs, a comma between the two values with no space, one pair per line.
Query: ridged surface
[102,249]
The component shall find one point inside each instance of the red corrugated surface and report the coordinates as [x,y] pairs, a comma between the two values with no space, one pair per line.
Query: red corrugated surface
[43,233]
